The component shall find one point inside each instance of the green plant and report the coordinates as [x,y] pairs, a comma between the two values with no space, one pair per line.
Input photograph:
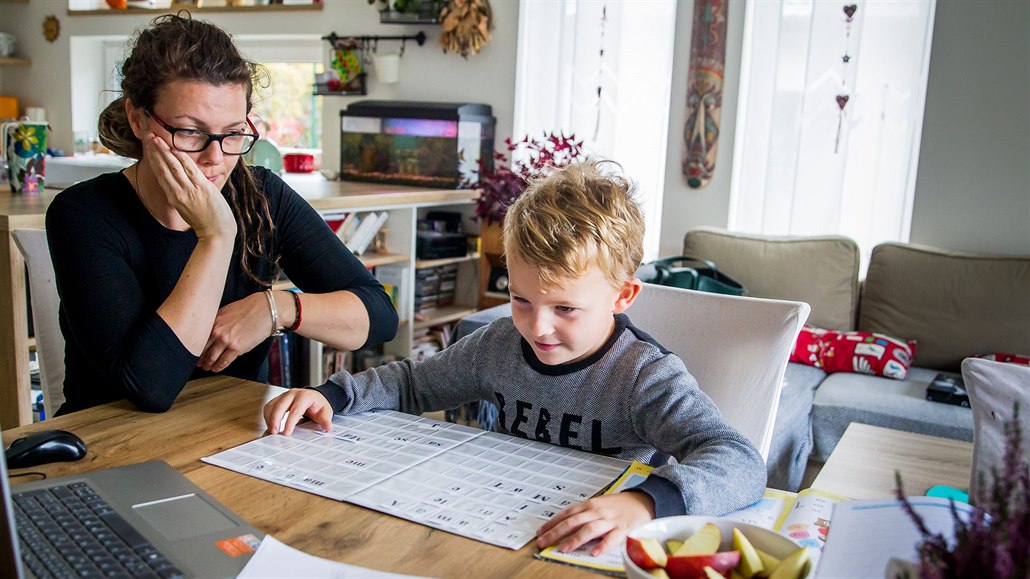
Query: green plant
[995,540]
[503,185]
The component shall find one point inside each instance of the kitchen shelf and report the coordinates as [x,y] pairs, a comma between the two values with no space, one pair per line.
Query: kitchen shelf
[14,61]
[497,296]
[391,17]
[368,260]
[423,263]
[376,259]
[193,8]
[442,315]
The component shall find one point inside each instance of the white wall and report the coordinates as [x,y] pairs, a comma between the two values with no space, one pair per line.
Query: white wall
[973,185]
[684,208]
[426,72]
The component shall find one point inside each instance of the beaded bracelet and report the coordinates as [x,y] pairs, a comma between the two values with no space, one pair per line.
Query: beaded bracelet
[296,303]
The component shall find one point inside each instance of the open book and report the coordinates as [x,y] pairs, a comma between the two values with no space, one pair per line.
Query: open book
[804,517]
[867,534]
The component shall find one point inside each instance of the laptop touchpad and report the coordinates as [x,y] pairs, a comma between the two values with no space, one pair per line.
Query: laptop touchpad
[184,517]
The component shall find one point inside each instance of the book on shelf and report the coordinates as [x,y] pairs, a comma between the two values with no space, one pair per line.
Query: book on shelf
[362,243]
[397,277]
[366,231]
[803,516]
[347,226]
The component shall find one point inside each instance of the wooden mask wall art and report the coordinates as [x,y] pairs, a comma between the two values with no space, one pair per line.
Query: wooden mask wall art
[704,91]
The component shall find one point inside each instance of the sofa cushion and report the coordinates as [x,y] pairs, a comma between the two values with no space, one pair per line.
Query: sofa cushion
[822,271]
[1007,358]
[862,352]
[844,398]
[953,304]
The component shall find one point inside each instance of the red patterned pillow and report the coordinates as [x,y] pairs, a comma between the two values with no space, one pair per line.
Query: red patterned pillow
[1010,358]
[862,352]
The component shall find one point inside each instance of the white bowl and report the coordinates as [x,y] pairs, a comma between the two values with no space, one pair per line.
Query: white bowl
[681,527]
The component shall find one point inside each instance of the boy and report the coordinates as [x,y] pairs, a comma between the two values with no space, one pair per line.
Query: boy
[569,368]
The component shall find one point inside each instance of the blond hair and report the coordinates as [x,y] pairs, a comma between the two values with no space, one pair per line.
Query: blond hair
[576,216]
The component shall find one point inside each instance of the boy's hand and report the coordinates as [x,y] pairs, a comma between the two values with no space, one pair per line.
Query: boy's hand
[299,402]
[611,516]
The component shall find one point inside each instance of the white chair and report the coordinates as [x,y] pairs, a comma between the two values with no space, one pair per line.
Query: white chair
[736,347]
[994,388]
[43,291]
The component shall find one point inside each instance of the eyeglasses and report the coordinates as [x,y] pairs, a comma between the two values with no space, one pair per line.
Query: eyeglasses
[195,140]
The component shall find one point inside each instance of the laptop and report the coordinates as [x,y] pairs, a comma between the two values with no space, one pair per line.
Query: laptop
[142,520]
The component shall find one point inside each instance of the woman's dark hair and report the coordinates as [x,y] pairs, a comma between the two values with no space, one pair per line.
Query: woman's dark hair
[176,47]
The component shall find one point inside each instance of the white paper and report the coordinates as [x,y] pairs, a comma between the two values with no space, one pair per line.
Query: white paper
[483,485]
[275,559]
[866,534]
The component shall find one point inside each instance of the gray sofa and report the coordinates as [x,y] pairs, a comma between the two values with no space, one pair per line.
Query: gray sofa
[954,305]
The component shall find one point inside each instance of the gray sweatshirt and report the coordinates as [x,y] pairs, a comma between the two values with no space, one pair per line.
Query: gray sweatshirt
[633,399]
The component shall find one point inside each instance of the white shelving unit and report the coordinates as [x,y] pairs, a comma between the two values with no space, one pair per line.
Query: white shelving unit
[400,242]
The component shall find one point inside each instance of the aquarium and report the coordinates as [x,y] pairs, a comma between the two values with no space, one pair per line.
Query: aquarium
[416,143]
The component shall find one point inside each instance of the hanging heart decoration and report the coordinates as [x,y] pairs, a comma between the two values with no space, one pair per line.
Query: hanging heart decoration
[842,100]
[849,10]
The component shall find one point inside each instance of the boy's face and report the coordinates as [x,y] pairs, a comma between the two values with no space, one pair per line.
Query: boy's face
[569,323]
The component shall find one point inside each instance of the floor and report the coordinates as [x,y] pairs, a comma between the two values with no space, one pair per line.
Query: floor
[811,471]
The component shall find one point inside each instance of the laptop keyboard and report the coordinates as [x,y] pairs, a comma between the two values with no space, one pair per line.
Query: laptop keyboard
[69,531]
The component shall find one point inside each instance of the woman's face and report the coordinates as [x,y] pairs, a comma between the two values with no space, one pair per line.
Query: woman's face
[219,109]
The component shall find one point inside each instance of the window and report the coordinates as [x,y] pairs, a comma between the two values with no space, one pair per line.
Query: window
[618,101]
[805,164]
[292,115]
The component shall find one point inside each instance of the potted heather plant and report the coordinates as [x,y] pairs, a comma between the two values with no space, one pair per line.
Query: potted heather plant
[995,540]
[532,158]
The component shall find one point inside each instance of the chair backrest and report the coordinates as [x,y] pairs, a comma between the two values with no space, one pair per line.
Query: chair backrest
[43,291]
[736,347]
[994,388]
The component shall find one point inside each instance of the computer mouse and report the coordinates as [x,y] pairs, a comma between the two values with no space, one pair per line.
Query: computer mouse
[43,447]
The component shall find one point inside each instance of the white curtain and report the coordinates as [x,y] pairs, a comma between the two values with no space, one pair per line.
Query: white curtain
[801,167]
[559,70]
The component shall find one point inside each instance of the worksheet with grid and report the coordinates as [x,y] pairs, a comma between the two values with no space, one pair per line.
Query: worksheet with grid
[483,485]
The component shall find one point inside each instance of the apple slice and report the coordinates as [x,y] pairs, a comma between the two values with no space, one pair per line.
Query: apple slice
[769,563]
[659,573]
[793,566]
[750,562]
[713,574]
[672,545]
[705,541]
[692,566]
[647,553]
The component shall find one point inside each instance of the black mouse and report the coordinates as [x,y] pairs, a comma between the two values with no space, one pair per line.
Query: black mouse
[43,447]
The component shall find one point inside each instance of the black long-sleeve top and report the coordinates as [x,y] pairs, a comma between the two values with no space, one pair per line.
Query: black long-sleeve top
[115,264]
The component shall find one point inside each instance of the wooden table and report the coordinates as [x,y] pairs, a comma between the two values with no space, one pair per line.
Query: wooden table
[18,211]
[862,465]
[214,414]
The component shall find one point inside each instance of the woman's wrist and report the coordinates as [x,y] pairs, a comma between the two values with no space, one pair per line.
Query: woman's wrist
[285,307]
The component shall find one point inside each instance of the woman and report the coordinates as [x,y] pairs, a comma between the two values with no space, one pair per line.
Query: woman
[164,269]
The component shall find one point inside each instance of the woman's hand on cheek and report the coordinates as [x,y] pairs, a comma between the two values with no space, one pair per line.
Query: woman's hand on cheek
[188,191]
[239,327]
[609,517]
